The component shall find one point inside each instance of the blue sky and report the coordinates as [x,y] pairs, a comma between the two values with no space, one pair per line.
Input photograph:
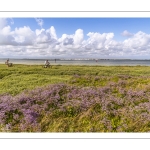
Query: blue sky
[75,37]
[101,25]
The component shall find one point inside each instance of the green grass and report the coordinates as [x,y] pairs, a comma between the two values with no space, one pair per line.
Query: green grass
[15,79]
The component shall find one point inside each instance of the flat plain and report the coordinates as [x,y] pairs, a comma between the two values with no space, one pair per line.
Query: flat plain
[69,98]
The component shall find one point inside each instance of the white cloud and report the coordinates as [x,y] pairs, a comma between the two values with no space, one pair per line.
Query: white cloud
[126,33]
[99,41]
[23,42]
[6,30]
[78,37]
[138,41]
[3,23]
[38,32]
[52,32]
[24,35]
[46,36]
[5,36]
[73,41]
[39,21]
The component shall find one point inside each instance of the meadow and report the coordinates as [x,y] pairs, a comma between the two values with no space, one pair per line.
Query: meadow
[74,98]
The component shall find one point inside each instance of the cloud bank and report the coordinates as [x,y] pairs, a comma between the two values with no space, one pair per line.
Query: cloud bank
[23,42]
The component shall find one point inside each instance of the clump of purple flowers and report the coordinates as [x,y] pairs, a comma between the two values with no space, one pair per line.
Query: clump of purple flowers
[118,108]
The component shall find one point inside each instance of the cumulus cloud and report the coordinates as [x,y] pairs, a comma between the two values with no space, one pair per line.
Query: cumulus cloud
[39,21]
[24,42]
[139,39]
[73,41]
[97,41]
[3,23]
[126,33]
[46,36]
[78,37]
[24,35]
[52,32]
[6,37]
[139,42]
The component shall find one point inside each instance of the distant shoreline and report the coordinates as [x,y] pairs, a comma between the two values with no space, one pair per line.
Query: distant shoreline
[91,62]
[76,59]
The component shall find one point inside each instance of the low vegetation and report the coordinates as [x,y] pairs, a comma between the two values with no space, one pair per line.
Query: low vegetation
[74,98]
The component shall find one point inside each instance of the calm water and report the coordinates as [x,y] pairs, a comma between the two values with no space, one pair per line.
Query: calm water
[80,62]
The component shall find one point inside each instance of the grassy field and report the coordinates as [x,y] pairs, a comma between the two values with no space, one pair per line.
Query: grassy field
[74,98]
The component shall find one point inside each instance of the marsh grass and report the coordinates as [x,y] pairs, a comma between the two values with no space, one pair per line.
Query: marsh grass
[74,98]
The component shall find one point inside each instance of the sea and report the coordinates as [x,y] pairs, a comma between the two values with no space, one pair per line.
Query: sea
[91,62]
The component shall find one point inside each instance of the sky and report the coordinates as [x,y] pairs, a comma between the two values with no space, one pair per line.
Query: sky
[75,38]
